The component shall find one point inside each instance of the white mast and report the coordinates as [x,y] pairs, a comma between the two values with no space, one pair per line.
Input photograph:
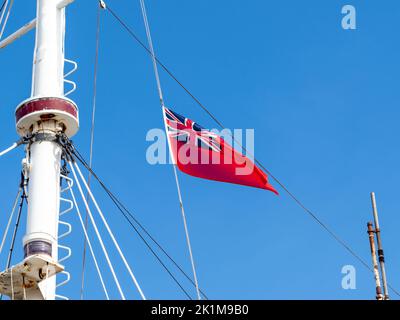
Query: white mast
[44,177]
[43,116]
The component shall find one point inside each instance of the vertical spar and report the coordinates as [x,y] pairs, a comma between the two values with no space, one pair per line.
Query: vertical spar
[371,238]
[43,116]
[380,249]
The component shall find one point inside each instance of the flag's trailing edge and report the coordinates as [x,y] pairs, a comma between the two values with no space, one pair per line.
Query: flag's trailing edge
[204,154]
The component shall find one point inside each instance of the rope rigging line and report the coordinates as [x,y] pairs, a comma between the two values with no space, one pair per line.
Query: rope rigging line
[146,243]
[152,52]
[96,63]
[89,244]
[160,93]
[97,231]
[111,234]
[3,6]
[10,220]
[7,16]
[16,227]
[21,205]
[152,251]
[128,215]
[163,66]
[187,234]
[219,123]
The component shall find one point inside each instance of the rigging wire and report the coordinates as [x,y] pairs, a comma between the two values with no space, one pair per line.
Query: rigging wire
[152,52]
[219,123]
[10,219]
[7,16]
[89,243]
[110,233]
[21,205]
[3,6]
[128,215]
[162,65]
[97,231]
[96,63]
[10,253]
[148,245]
[144,240]
[160,93]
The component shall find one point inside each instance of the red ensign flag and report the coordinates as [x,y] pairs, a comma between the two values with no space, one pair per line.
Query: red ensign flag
[203,154]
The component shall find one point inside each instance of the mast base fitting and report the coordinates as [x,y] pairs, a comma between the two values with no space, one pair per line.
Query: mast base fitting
[38,110]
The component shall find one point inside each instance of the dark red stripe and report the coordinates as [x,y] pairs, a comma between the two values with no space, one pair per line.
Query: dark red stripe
[50,104]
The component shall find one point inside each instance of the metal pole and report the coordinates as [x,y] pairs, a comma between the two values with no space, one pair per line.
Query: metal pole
[45,115]
[371,236]
[44,176]
[381,256]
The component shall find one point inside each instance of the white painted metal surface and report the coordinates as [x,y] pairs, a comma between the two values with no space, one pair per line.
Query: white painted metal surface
[48,64]
[44,115]
[44,200]
[44,190]
[45,156]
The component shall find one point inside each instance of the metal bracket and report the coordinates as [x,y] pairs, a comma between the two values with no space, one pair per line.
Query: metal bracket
[27,275]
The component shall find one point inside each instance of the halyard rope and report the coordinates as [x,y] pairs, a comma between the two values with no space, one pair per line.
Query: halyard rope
[160,93]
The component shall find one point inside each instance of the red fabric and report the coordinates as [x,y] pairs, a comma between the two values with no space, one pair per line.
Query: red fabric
[203,154]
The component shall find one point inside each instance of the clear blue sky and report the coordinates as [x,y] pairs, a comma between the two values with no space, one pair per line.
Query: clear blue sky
[324,103]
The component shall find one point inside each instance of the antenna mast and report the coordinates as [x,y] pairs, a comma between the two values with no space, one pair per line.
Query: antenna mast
[381,255]
[371,235]
[371,238]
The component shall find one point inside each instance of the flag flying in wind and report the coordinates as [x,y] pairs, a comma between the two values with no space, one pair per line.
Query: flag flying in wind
[204,154]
